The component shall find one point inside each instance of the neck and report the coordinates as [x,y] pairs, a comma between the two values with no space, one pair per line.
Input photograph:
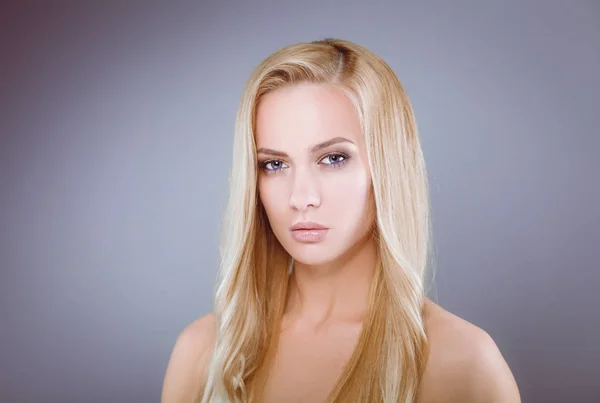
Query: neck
[337,291]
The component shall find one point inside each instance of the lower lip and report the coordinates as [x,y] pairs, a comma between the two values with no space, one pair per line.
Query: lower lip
[309,235]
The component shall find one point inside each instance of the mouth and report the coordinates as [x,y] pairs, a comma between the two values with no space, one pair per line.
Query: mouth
[308,232]
[306,225]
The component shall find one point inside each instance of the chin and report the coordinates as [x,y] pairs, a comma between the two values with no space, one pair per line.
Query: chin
[312,254]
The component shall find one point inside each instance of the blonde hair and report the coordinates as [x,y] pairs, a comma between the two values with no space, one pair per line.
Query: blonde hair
[389,359]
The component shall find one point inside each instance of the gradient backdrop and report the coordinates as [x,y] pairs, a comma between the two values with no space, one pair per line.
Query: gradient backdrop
[116,122]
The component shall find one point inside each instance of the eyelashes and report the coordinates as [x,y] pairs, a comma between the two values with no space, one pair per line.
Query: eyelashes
[335,161]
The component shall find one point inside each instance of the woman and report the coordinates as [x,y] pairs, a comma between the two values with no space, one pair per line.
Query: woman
[321,293]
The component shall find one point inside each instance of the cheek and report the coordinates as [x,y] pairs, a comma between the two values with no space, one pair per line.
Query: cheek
[348,192]
[273,199]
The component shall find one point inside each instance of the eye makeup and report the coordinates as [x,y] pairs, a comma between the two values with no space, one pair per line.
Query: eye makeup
[337,160]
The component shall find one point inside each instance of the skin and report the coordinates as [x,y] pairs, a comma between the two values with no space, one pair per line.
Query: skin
[330,281]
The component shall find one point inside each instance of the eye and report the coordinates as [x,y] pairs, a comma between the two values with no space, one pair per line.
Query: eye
[272,165]
[335,159]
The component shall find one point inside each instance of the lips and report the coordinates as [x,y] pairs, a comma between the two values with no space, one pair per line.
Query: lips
[308,232]
[307,225]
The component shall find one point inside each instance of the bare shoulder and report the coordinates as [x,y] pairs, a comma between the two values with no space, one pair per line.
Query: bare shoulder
[464,364]
[186,371]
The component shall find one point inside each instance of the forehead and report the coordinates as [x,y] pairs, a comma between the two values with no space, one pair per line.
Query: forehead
[300,116]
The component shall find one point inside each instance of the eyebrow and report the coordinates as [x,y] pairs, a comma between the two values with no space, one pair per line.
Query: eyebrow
[314,149]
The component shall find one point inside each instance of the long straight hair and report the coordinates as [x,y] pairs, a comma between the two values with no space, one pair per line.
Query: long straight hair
[390,356]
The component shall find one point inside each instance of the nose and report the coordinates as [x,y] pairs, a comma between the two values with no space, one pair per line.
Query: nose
[304,190]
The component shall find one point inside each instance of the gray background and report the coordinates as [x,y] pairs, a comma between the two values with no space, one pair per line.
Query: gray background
[116,123]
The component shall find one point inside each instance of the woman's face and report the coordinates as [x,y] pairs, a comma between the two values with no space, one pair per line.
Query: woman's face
[313,168]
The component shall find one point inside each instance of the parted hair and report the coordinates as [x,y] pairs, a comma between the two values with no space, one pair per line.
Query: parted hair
[388,361]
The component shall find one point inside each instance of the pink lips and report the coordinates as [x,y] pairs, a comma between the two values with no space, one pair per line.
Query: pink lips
[307,231]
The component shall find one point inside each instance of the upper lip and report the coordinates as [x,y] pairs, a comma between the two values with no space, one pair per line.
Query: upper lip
[306,225]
